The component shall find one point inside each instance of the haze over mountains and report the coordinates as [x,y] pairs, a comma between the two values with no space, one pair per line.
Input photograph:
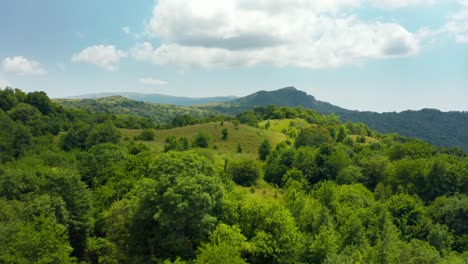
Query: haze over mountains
[440,128]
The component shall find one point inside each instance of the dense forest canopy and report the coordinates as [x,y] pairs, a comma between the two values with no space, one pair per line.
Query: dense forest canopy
[272,185]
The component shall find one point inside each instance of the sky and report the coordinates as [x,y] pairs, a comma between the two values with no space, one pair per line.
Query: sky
[376,55]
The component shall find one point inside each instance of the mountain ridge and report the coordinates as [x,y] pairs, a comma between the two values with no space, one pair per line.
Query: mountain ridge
[157,98]
[440,128]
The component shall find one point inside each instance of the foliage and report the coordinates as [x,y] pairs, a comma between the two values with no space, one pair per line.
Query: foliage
[264,149]
[71,191]
[147,135]
[244,171]
[201,140]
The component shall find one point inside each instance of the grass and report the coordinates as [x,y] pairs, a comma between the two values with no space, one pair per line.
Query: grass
[248,137]
[280,125]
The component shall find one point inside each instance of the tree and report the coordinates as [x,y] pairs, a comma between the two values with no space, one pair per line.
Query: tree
[341,135]
[103,133]
[32,235]
[225,247]
[201,140]
[440,179]
[176,208]
[313,137]
[224,133]
[239,148]
[147,135]
[70,140]
[270,229]
[8,99]
[244,171]
[278,162]
[41,101]
[264,149]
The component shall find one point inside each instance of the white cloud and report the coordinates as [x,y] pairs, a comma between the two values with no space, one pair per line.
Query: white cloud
[5,83]
[310,34]
[126,30]
[22,66]
[106,57]
[402,3]
[457,25]
[151,81]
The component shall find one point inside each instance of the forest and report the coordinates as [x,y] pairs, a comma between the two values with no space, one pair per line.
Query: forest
[270,185]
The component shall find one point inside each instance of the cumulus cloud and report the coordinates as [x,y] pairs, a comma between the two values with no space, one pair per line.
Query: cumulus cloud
[310,34]
[152,81]
[458,23]
[22,66]
[402,3]
[456,26]
[106,57]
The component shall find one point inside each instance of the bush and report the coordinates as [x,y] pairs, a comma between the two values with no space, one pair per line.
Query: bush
[244,171]
[264,149]
[147,135]
[201,140]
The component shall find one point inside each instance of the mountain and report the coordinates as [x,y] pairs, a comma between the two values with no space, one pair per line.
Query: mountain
[288,96]
[159,98]
[448,129]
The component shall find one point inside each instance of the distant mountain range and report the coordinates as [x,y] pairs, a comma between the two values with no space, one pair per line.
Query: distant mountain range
[159,98]
[447,129]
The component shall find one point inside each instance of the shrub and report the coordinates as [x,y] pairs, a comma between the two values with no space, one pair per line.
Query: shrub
[244,171]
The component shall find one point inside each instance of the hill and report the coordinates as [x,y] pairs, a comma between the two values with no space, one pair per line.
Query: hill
[117,105]
[445,129]
[288,96]
[159,98]
[76,189]
[440,128]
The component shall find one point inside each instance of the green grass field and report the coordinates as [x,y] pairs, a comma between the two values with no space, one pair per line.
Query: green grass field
[248,137]
[279,125]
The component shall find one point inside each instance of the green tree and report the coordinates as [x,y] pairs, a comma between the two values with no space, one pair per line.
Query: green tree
[103,133]
[8,99]
[224,133]
[225,247]
[313,137]
[244,171]
[171,143]
[239,148]
[27,237]
[147,135]
[341,134]
[264,149]
[41,101]
[201,140]
[176,209]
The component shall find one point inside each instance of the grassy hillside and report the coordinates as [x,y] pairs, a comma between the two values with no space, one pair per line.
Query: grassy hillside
[248,137]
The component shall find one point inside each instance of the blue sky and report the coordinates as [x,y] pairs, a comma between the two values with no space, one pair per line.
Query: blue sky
[386,55]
